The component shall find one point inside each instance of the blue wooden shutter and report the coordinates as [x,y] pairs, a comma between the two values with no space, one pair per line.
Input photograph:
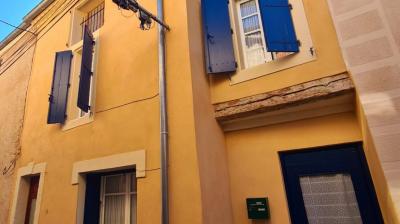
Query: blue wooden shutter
[278,25]
[86,71]
[92,199]
[59,89]
[218,37]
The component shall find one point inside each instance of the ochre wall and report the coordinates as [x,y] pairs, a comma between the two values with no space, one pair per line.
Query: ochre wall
[249,151]
[254,165]
[211,172]
[14,77]
[210,140]
[127,71]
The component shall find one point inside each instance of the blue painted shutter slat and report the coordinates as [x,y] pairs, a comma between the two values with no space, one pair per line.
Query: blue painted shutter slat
[86,71]
[59,89]
[217,37]
[92,199]
[279,31]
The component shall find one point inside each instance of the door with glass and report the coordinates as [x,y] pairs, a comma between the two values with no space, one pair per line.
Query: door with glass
[330,185]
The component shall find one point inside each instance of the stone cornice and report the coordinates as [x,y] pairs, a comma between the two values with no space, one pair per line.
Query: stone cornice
[315,90]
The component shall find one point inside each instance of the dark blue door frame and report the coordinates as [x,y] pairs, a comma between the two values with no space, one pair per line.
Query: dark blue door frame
[344,158]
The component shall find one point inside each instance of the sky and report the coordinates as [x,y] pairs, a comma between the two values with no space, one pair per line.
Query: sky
[12,11]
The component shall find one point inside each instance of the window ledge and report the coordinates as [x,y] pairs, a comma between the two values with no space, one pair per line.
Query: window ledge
[70,124]
[304,56]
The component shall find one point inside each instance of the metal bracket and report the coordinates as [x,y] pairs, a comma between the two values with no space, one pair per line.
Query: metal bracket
[312,51]
[50,98]
[134,6]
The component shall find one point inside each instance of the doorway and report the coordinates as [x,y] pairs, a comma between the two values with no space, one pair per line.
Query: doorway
[330,185]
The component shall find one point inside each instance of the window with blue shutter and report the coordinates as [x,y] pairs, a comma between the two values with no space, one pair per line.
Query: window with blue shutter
[86,71]
[280,35]
[59,89]
[219,53]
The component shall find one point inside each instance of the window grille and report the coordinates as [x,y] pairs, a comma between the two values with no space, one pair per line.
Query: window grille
[94,19]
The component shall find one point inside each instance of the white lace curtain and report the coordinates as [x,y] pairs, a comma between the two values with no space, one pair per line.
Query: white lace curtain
[330,199]
[120,199]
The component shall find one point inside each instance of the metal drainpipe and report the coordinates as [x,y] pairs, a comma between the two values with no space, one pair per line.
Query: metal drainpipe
[163,116]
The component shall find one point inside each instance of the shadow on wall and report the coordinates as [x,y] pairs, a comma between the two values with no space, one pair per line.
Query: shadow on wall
[382,107]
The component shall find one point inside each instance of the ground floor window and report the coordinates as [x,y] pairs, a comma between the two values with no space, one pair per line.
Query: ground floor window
[118,197]
[110,198]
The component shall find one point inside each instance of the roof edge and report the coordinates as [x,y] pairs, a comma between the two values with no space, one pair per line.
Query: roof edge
[27,20]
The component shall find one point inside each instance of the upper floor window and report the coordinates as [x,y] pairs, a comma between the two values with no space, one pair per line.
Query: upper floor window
[89,13]
[71,96]
[94,19]
[73,89]
[255,36]
[252,34]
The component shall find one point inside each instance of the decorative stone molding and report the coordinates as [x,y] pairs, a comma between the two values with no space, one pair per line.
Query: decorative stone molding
[312,91]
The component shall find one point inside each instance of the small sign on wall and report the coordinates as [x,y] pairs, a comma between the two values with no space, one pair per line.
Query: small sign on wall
[257,208]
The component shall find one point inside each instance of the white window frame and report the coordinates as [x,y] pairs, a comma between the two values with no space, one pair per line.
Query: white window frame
[306,53]
[75,117]
[127,195]
[21,192]
[267,55]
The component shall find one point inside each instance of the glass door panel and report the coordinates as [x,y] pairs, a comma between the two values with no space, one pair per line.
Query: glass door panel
[330,199]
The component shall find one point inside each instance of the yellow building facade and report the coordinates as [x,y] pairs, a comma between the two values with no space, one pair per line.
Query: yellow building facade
[231,134]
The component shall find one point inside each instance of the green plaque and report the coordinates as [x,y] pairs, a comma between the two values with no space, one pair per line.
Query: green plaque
[257,208]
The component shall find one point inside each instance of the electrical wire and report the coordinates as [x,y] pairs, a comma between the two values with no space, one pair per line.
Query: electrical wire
[72,5]
[149,170]
[62,15]
[128,103]
[45,14]
[10,58]
[38,38]
[16,27]
[119,106]
[38,29]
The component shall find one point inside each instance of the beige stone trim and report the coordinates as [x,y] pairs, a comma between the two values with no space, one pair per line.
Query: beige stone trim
[135,159]
[312,91]
[323,107]
[19,202]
